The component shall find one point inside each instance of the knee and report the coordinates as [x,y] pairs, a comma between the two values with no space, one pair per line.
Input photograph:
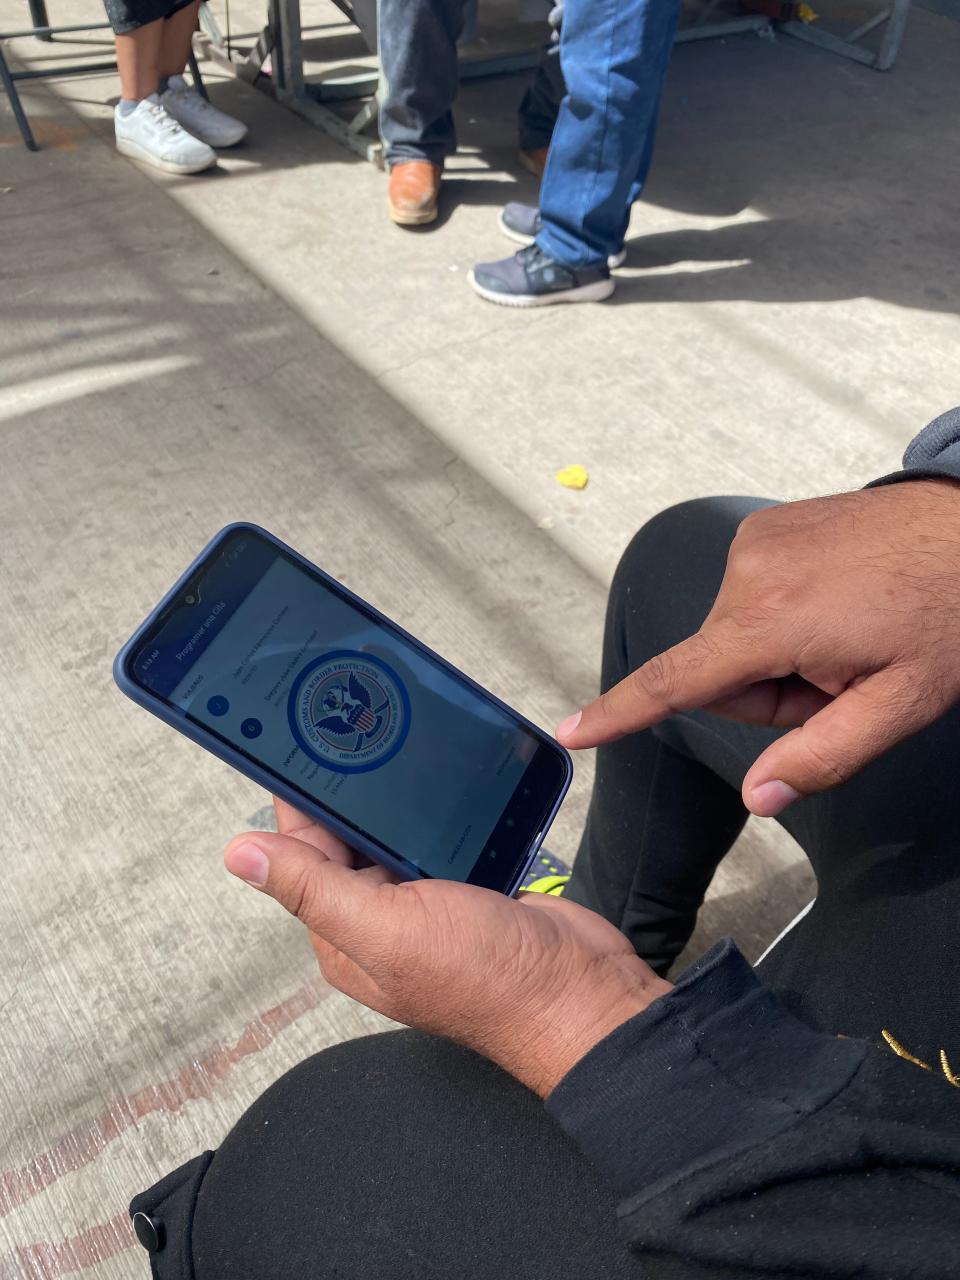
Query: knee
[669,575]
[683,534]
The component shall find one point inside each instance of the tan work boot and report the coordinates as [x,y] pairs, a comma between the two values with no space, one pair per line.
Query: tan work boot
[412,192]
[535,161]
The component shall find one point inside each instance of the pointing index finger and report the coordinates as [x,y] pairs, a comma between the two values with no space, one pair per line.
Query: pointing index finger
[714,663]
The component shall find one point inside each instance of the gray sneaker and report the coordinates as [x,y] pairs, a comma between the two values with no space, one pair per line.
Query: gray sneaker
[199,117]
[521,224]
[531,278]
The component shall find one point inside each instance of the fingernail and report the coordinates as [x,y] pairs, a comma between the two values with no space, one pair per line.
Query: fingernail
[567,726]
[248,862]
[770,798]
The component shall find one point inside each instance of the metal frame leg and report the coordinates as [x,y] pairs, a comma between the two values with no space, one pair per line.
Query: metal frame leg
[196,77]
[893,35]
[38,17]
[847,47]
[29,141]
[9,78]
[287,47]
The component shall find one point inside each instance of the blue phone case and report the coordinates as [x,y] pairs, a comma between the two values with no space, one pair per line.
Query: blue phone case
[179,720]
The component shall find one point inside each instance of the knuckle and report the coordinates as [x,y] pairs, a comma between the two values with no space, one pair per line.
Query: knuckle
[335,969]
[830,766]
[759,528]
[748,560]
[750,523]
[301,894]
[915,700]
[768,550]
[656,679]
[899,710]
[701,649]
[664,678]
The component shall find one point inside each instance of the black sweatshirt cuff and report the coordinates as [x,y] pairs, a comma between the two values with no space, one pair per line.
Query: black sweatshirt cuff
[707,1071]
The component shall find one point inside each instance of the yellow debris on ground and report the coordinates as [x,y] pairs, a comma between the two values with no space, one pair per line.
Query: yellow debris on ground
[806,14]
[573,477]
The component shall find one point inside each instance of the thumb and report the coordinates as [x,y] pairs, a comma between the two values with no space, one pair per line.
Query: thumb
[333,901]
[856,727]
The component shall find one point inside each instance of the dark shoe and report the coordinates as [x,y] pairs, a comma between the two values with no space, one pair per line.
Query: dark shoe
[533,279]
[521,223]
[534,161]
[412,192]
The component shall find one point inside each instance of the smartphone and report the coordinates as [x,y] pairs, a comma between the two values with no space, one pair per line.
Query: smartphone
[278,669]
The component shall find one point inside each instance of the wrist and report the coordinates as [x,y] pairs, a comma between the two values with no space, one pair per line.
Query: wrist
[570,1023]
[934,484]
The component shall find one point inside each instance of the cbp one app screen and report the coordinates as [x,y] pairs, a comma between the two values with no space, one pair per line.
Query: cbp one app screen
[305,683]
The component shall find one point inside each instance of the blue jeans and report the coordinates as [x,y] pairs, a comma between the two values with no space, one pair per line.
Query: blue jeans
[614,55]
[421,74]
[420,71]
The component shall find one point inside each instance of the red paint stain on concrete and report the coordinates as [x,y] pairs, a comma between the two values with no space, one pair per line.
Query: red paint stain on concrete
[49,134]
[196,1080]
[46,1261]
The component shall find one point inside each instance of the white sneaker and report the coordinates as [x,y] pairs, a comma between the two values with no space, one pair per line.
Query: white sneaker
[198,117]
[150,134]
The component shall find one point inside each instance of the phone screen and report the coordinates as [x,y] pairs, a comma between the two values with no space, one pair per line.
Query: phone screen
[273,659]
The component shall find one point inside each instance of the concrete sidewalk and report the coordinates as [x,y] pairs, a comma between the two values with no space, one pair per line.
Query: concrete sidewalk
[259,343]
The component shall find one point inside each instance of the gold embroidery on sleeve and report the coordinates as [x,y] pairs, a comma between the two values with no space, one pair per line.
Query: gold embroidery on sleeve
[901,1052]
[945,1064]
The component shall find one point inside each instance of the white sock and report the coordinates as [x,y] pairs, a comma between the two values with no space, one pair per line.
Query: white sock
[128,106]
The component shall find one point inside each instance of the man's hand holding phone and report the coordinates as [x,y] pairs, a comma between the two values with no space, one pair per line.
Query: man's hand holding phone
[531,983]
[275,667]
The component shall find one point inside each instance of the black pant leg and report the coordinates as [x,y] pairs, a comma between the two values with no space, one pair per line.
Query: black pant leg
[402,1157]
[660,820]
[878,948]
[540,105]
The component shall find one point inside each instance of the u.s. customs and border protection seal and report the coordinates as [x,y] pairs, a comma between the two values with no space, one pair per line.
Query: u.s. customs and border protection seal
[349,711]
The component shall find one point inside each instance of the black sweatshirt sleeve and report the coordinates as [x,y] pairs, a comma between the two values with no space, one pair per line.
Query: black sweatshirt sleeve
[934,453]
[741,1142]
